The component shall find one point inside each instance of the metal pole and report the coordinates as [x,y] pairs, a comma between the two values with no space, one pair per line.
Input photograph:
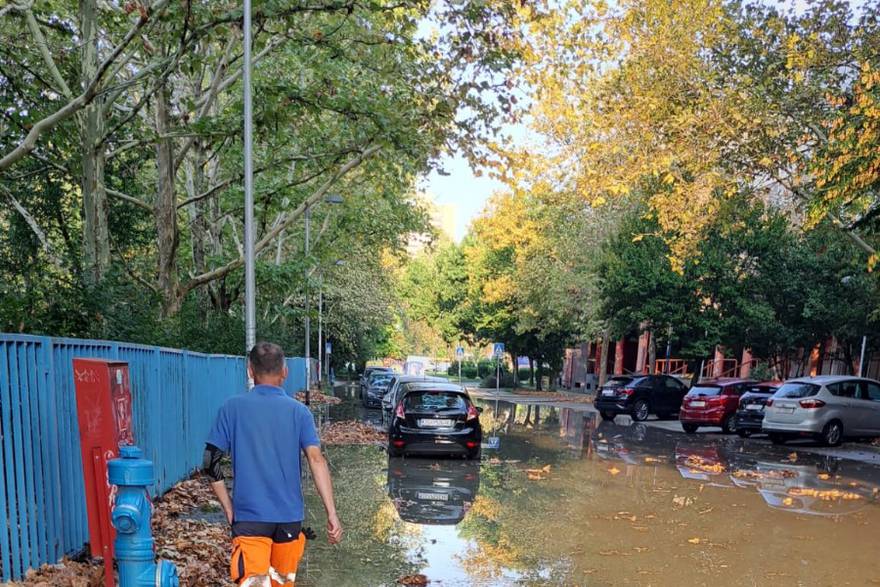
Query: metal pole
[308,306]
[862,358]
[459,370]
[250,288]
[320,327]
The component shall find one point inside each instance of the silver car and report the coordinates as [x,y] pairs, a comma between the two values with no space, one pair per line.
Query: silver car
[828,408]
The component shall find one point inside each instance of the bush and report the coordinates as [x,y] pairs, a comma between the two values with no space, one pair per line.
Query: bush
[506,381]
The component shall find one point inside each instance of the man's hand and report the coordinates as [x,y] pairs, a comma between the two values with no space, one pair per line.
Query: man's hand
[334,529]
[222,494]
[321,475]
[228,513]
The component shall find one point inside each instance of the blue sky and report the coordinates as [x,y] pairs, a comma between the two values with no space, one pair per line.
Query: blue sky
[462,189]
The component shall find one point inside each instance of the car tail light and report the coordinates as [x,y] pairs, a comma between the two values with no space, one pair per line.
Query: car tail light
[398,443]
[627,391]
[400,413]
[471,444]
[811,404]
[769,402]
[472,414]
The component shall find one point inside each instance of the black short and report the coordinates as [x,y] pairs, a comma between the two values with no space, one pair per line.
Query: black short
[279,533]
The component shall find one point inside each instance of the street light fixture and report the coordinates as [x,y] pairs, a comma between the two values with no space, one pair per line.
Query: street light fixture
[329,199]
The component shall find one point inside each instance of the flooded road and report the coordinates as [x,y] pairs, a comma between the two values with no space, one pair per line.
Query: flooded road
[567,500]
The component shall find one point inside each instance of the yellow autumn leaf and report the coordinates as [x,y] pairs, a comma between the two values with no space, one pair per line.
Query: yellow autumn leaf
[614,470]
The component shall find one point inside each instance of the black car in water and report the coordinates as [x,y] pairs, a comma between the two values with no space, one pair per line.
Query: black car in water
[377,386]
[750,413]
[435,418]
[427,491]
[640,396]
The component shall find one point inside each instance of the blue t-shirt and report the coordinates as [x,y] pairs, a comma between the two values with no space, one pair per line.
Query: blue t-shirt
[265,431]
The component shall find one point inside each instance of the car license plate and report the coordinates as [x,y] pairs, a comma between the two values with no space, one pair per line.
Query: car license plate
[787,410]
[698,404]
[608,393]
[432,496]
[431,423]
[754,406]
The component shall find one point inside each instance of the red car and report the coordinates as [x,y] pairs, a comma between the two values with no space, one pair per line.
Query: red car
[713,402]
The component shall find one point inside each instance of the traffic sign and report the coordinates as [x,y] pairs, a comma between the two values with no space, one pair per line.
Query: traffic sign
[459,352]
[498,350]
[328,348]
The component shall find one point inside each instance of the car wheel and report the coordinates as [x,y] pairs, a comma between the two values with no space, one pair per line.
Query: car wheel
[777,438]
[832,434]
[744,432]
[689,428]
[640,411]
[728,425]
[607,416]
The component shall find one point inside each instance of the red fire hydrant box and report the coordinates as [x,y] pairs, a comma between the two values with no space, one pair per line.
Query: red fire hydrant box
[103,402]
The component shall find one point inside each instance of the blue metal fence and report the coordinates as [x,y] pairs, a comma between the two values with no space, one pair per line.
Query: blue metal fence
[176,395]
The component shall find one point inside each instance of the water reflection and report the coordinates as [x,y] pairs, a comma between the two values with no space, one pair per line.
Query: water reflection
[426,491]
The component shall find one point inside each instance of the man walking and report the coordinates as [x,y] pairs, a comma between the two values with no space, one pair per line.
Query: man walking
[265,431]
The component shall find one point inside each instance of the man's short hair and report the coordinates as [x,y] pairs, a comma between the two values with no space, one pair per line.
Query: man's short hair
[266,358]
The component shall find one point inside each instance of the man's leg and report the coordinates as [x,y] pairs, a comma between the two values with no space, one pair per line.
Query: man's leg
[251,553]
[287,550]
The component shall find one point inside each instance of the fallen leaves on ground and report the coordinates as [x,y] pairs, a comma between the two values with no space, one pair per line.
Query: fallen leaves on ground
[417,580]
[554,395]
[700,464]
[68,573]
[352,432]
[538,474]
[771,474]
[316,397]
[614,470]
[824,495]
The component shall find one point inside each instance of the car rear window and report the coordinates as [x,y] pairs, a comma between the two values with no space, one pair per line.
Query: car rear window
[617,382]
[705,390]
[434,401]
[797,390]
[767,389]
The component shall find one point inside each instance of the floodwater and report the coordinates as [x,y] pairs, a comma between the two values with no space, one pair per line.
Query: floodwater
[568,500]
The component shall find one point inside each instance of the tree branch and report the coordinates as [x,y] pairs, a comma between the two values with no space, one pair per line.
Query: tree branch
[129,199]
[30,141]
[41,236]
[267,239]
[47,57]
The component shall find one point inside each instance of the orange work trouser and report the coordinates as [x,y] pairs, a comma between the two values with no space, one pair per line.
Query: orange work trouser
[255,556]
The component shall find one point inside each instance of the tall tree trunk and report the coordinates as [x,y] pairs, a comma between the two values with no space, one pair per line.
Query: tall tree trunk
[531,371]
[165,210]
[96,234]
[603,358]
[652,352]
[198,220]
[539,377]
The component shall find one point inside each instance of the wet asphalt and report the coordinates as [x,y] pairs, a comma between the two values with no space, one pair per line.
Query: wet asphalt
[566,499]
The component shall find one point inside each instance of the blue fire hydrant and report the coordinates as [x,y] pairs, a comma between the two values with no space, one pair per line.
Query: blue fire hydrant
[135,557]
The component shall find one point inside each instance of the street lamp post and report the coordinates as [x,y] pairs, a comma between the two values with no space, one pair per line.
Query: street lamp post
[250,287]
[331,199]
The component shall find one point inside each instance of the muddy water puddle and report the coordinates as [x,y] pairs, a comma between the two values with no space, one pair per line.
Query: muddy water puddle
[566,500]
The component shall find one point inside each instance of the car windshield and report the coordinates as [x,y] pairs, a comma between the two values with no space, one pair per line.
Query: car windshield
[797,389]
[617,382]
[705,390]
[380,380]
[434,401]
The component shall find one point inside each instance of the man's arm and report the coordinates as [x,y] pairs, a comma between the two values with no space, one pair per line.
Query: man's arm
[321,475]
[211,468]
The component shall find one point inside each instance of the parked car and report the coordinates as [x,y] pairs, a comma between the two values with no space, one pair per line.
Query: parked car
[828,408]
[640,396]
[377,385]
[713,402]
[750,412]
[435,418]
[389,400]
[365,377]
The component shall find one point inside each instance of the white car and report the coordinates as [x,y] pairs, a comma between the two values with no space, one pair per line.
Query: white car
[828,408]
